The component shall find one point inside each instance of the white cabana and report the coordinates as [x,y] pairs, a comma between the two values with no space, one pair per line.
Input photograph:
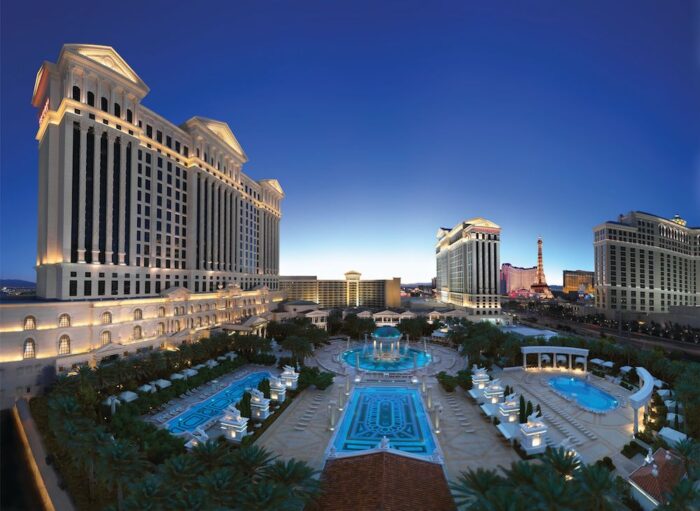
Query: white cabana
[671,436]
[198,367]
[658,383]
[597,361]
[162,384]
[671,418]
[231,355]
[546,357]
[580,360]
[146,388]
[221,358]
[177,376]
[189,372]
[608,364]
[663,393]
[561,358]
[127,396]
[641,398]
[112,402]
[625,369]
[212,363]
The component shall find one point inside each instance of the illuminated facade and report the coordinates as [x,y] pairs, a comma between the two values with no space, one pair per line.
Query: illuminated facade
[149,234]
[351,292]
[646,264]
[468,260]
[578,281]
[516,280]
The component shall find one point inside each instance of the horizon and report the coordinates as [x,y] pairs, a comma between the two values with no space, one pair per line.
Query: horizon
[547,120]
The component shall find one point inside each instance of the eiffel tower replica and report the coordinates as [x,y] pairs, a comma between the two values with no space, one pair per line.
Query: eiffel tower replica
[540,287]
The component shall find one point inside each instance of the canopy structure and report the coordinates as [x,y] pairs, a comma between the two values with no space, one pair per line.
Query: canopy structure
[189,372]
[658,384]
[198,367]
[177,376]
[560,353]
[162,384]
[146,388]
[643,395]
[625,369]
[671,436]
[665,392]
[127,396]
[212,363]
[597,361]
[608,364]
[671,417]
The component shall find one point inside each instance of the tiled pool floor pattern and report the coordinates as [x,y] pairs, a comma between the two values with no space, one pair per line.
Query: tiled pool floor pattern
[585,394]
[214,406]
[396,413]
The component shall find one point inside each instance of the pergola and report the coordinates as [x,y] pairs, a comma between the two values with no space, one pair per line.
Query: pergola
[580,354]
[641,398]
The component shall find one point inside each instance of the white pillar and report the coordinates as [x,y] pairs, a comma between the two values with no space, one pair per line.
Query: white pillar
[570,357]
[539,361]
[208,189]
[132,203]
[81,192]
[96,196]
[110,201]
[524,360]
[121,246]
[215,226]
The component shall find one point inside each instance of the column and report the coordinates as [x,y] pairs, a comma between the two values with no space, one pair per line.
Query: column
[524,360]
[570,357]
[539,361]
[200,219]
[636,420]
[121,247]
[97,153]
[554,360]
[215,226]
[585,365]
[81,192]
[207,256]
[110,198]
[132,202]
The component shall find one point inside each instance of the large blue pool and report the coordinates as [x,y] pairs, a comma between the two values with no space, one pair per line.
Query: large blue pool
[585,394]
[214,405]
[375,412]
[405,360]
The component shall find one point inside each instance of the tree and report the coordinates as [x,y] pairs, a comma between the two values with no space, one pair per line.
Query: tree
[563,461]
[181,471]
[597,486]
[300,348]
[294,475]
[472,486]
[121,464]
[211,454]
[685,496]
[264,387]
[523,417]
[244,405]
[251,461]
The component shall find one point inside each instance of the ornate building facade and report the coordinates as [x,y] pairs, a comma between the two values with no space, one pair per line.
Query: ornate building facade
[149,235]
[517,280]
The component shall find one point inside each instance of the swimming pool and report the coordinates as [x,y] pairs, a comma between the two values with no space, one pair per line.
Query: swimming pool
[586,395]
[397,413]
[214,405]
[405,360]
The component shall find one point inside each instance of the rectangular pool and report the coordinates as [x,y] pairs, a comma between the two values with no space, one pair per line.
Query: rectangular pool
[214,405]
[375,412]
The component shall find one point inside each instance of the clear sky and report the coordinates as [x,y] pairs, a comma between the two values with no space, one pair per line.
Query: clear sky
[385,120]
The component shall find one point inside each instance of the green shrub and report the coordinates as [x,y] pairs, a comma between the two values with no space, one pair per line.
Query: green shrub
[264,387]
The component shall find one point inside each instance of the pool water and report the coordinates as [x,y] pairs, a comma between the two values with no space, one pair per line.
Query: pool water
[397,413]
[405,361]
[584,393]
[214,405]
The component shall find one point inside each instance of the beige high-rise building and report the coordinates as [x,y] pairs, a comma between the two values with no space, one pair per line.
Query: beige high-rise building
[351,292]
[149,235]
[645,264]
[515,278]
[468,261]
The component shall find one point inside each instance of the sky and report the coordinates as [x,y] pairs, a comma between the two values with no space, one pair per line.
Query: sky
[386,120]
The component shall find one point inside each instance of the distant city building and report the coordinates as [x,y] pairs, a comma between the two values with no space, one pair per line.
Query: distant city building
[351,292]
[646,264]
[540,287]
[516,280]
[468,261]
[578,281]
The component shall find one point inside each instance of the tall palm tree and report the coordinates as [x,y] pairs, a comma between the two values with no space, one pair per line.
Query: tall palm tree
[551,492]
[121,464]
[295,475]
[597,487]
[299,347]
[689,451]
[472,486]
[211,454]
[264,496]
[563,461]
[148,494]
[684,497]
[252,460]
[221,485]
[180,471]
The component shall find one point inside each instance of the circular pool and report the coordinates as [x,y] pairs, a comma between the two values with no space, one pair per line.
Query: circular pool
[583,393]
[370,359]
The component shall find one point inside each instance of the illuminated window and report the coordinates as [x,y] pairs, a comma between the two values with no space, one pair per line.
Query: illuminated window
[105,337]
[161,328]
[138,314]
[106,318]
[29,349]
[161,312]
[30,323]
[64,321]
[138,333]
[64,345]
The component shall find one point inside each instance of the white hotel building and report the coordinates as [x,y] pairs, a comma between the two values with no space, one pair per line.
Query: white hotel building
[149,233]
[468,262]
[647,265]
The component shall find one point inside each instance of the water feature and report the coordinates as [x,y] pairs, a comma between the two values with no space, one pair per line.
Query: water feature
[583,393]
[214,406]
[393,412]
[386,353]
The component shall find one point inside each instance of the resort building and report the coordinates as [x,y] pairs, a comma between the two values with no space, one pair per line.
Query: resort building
[468,259]
[656,478]
[149,233]
[387,317]
[351,292]
[578,281]
[646,264]
[516,280]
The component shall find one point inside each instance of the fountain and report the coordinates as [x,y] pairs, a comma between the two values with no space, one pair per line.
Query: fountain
[386,353]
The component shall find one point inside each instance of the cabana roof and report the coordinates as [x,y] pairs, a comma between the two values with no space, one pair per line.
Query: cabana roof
[127,396]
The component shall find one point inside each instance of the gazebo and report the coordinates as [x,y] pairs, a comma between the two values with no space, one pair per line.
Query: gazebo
[573,355]
[641,398]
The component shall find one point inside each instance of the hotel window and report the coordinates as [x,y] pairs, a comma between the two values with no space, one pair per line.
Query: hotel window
[64,345]
[104,104]
[138,314]
[138,333]
[91,98]
[161,328]
[161,312]
[63,321]
[30,323]
[117,110]
[106,318]
[76,93]
[129,116]
[105,337]
[29,349]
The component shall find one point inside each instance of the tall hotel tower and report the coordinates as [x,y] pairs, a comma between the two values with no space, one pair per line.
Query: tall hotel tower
[149,235]
[468,260]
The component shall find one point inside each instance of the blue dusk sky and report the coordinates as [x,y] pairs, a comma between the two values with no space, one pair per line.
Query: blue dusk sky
[385,120]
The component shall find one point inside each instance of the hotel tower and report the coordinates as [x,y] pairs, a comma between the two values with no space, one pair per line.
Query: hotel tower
[468,264]
[149,233]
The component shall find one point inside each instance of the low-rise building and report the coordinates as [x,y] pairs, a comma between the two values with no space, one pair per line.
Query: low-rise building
[656,478]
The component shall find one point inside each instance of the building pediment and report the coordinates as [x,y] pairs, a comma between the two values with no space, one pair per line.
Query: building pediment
[387,313]
[274,184]
[221,131]
[107,57]
[176,293]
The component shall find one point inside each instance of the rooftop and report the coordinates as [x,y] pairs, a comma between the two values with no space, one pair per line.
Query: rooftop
[669,472]
[383,480]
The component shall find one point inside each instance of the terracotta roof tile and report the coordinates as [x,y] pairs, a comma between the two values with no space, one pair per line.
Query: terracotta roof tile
[383,481]
[670,471]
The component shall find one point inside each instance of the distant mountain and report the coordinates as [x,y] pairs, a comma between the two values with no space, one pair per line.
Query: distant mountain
[16,283]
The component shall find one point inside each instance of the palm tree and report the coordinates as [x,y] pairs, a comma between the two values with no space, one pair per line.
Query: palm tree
[148,494]
[299,347]
[211,454]
[597,487]
[221,485]
[264,496]
[472,486]
[180,471]
[563,461]
[550,492]
[684,497]
[689,451]
[295,475]
[251,461]
[121,464]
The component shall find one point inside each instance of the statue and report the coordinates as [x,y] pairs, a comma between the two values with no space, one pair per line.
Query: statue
[288,369]
[384,443]
[256,395]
